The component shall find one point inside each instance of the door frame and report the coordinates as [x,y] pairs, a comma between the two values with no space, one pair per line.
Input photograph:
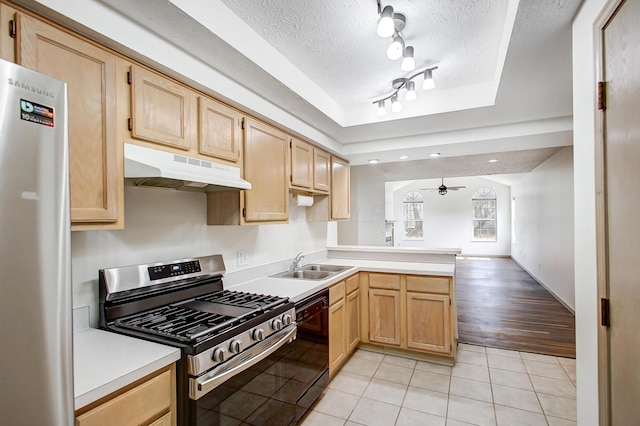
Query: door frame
[608,11]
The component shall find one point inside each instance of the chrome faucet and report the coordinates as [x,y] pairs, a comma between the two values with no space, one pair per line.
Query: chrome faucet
[296,262]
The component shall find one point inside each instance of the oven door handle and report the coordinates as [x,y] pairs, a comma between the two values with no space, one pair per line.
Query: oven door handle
[214,380]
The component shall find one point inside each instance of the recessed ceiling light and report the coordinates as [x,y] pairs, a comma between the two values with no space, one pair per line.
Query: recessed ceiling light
[403,157]
[434,154]
[492,161]
[373,161]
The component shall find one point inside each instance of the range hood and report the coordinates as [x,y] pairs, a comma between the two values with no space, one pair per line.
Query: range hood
[151,167]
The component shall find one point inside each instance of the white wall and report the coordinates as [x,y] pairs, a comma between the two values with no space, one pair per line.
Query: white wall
[366,226]
[544,224]
[448,218]
[584,80]
[166,224]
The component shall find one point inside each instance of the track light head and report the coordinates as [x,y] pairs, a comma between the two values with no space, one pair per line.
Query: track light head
[408,61]
[386,26]
[382,110]
[396,106]
[411,91]
[428,83]
[396,48]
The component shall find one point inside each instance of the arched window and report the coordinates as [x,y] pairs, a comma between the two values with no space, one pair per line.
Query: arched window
[413,215]
[484,215]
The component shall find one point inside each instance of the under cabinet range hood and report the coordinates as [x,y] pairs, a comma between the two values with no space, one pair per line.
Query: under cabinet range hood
[155,168]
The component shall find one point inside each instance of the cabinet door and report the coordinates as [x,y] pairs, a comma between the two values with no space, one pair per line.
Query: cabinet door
[7,45]
[160,110]
[428,322]
[337,341]
[322,170]
[219,130]
[353,320]
[384,316]
[266,166]
[90,74]
[301,164]
[340,189]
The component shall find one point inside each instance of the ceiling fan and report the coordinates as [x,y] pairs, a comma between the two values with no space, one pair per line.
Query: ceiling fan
[443,189]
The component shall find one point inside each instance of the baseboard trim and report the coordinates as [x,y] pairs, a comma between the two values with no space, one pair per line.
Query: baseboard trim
[553,293]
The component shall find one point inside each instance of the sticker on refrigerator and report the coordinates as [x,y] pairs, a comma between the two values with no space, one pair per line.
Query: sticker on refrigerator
[36,113]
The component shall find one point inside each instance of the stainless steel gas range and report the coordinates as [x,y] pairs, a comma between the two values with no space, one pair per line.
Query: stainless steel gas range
[237,364]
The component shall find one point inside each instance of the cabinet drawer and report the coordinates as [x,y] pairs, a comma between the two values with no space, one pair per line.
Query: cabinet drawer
[385,281]
[353,283]
[424,284]
[336,292]
[134,407]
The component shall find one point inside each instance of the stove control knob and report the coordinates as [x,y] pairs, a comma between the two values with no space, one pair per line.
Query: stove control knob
[276,324]
[287,319]
[257,334]
[219,355]
[235,346]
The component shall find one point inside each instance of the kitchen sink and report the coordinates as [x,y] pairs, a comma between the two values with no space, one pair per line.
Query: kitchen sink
[313,271]
[325,268]
[303,274]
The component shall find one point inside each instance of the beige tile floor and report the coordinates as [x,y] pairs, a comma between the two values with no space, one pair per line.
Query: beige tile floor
[487,386]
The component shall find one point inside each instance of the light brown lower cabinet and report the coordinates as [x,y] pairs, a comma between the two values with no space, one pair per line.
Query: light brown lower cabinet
[410,312]
[428,322]
[344,321]
[150,402]
[384,316]
[337,341]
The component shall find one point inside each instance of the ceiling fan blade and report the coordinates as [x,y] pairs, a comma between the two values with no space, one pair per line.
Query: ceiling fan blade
[455,188]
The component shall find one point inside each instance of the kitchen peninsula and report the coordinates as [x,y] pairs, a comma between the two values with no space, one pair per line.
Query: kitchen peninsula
[396,300]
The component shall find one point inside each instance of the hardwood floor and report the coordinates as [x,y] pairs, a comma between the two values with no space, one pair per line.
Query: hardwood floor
[500,305]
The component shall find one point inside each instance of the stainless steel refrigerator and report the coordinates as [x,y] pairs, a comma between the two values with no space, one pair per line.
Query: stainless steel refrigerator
[36,365]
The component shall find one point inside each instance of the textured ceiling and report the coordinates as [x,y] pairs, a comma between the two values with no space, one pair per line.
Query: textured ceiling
[317,59]
[336,45]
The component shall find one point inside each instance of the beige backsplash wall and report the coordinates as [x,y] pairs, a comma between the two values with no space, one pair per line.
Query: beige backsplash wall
[166,224]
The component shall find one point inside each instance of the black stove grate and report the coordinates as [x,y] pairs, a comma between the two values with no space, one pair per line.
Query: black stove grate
[198,319]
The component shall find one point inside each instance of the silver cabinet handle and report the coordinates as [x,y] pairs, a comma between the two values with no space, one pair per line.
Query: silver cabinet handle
[201,388]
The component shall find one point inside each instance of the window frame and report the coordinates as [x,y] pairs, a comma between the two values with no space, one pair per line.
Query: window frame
[419,200]
[484,194]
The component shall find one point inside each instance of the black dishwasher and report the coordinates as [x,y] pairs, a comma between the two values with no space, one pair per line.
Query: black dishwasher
[309,353]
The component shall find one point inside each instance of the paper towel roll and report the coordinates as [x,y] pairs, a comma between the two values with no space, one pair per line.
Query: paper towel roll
[304,200]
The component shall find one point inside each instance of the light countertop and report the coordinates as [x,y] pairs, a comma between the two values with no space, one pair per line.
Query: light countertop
[104,362]
[298,289]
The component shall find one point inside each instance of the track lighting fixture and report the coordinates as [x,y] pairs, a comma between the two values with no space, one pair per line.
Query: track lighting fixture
[410,86]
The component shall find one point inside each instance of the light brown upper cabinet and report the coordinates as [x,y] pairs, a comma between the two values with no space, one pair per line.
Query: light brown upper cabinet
[266,167]
[310,167]
[7,45]
[219,130]
[161,110]
[95,165]
[321,170]
[340,192]
[301,164]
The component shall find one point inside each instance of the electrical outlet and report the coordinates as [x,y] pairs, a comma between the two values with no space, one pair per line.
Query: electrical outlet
[243,260]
